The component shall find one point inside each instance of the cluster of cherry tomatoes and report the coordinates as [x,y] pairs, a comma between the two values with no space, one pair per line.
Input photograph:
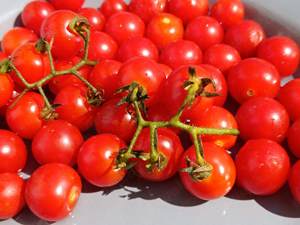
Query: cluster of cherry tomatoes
[153,43]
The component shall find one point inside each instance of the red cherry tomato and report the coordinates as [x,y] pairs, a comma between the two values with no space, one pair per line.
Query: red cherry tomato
[222,178]
[13,153]
[15,38]
[228,12]
[165,69]
[262,167]
[34,14]
[204,31]
[169,145]
[6,89]
[245,37]
[282,52]
[253,77]
[52,191]
[179,53]
[293,138]
[110,7]
[66,43]
[138,46]
[3,56]
[11,195]
[294,181]
[73,5]
[96,18]
[262,117]
[146,9]
[3,109]
[122,26]
[164,28]
[289,97]
[57,142]
[97,158]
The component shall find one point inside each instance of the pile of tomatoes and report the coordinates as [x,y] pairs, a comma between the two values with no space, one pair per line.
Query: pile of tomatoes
[153,43]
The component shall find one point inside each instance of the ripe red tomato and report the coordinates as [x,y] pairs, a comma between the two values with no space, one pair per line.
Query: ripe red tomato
[164,28]
[289,97]
[13,153]
[3,109]
[122,26]
[222,178]
[97,158]
[6,89]
[181,52]
[204,31]
[282,52]
[34,14]
[262,117]
[165,69]
[253,77]
[73,5]
[96,18]
[110,7]
[188,9]
[73,106]
[52,191]
[66,44]
[294,181]
[105,77]
[293,138]
[146,9]
[25,117]
[3,56]
[245,37]
[228,12]
[138,46]
[57,142]
[262,166]
[15,38]
[222,56]
[11,195]
[169,145]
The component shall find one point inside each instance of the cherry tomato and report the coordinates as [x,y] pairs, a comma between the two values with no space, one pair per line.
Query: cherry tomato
[282,52]
[146,9]
[294,181]
[253,77]
[11,195]
[105,77]
[169,145]
[25,117]
[73,5]
[222,178]
[15,38]
[164,28]
[96,18]
[138,46]
[228,12]
[6,89]
[289,97]
[165,69]
[245,37]
[96,160]
[34,14]
[13,153]
[3,56]
[110,7]
[262,117]
[52,191]
[293,138]
[181,52]
[66,43]
[3,109]
[204,31]
[262,166]
[73,106]
[124,25]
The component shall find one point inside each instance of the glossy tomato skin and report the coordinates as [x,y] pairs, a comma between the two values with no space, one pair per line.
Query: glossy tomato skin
[11,195]
[34,14]
[164,28]
[66,44]
[262,166]
[95,17]
[146,9]
[73,5]
[204,31]
[6,89]
[13,153]
[293,138]
[96,160]
[245,37]
[179,53]
[222,178]
[137,47]
[294,181]
[57,142]
[262,117]
[122,26]
[253,77]
[15,38]
[165,69]
[25,118]
[52,191]
[289,97]
[110,7]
